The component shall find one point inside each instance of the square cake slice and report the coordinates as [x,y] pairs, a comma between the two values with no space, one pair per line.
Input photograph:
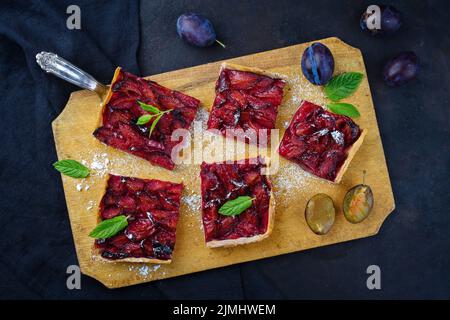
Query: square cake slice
[121,110]
[151,208]
[246,99]
[321,142]
[222,182]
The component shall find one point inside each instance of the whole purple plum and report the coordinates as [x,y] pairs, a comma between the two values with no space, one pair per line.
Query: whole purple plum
[196,30]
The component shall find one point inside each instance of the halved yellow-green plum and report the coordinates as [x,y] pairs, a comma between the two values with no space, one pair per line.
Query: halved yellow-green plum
[320,213]
[358,203]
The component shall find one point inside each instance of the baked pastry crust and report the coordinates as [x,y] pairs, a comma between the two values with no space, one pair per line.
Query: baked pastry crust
[350,154]
[238,67]
[97,257]
[109,93]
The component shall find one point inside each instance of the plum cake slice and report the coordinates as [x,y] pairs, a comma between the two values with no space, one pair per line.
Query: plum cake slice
[321,142]
[151,208]
[222,183]
[119,120]
[246,98]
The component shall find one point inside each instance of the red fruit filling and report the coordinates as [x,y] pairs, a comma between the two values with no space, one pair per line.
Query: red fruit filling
[319,140]
[245,100]
[120,114]
[221,182]
[152,208]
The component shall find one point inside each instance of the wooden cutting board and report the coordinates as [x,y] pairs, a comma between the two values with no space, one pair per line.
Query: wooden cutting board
[292,186]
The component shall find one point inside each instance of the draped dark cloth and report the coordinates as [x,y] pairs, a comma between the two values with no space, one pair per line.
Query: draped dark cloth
[35,240]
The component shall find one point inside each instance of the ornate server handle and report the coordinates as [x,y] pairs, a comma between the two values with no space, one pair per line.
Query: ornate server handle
[63,69]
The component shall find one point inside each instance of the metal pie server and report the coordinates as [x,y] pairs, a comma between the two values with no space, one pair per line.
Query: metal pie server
[52,63]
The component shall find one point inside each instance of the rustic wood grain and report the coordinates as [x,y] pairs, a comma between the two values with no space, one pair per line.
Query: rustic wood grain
[292,187]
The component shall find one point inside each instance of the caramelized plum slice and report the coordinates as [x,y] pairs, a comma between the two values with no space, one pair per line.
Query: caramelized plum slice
[152,207]
[245,100]
[318,140]
[121,111]
[221,182]
[140,229]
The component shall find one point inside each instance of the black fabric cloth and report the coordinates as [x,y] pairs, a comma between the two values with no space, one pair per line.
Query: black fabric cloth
[35,237]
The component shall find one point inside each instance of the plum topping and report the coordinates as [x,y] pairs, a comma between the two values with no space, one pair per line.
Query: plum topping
[245,100]
[318,140]
[152,207]
[221,182]
[119,128]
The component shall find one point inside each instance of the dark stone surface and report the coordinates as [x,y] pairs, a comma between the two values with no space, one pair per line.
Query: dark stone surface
[412,247]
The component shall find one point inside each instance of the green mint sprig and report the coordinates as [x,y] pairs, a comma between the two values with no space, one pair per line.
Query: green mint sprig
[236,206]
[343,85]
[109,227]
[340,87]
[71,168]
[155,113]
[345,109]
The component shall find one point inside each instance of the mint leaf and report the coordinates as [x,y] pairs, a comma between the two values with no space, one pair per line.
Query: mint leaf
[345,109]
[148,107]
[343,85]
[144,119]
[236,206]
[152,127]
[110,227]
[71,168]
[158,117]
[147,117]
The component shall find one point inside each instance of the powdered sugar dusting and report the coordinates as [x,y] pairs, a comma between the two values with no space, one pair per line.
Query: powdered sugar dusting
[301,89]
[297,90]
[132,163]
[82,185]
[90,205]
[99,164]
[289,179]
[202,116]
[145,270]
[338,137]
[193,201]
